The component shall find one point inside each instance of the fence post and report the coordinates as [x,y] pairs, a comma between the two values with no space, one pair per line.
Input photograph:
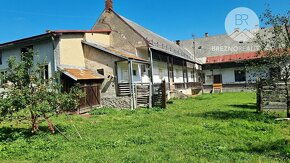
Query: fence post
[150,95]
[259,95]
[164,100]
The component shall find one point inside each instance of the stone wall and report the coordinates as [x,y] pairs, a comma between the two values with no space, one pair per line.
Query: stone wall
[122,35]
[271,96]
[116,102]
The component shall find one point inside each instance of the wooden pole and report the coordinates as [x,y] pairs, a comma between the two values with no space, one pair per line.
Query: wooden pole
[116,79]
[151,76]
[168,70]
[259,95]
[186,72]
[131,84]
[164,94]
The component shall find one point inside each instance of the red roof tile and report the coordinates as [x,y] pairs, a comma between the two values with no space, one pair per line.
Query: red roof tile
[232,57]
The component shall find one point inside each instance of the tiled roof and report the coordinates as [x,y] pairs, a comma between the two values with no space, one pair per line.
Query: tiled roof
[114,51]
[81,74]
[160,43]
[232,58]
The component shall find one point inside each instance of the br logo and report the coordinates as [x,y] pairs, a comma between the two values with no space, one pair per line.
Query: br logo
[242,24]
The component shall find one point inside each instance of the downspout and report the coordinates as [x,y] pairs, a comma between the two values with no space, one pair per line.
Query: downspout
[54,53]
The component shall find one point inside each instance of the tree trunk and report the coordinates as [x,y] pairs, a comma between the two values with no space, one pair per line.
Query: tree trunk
[50,126]
[288,104]
[34,123]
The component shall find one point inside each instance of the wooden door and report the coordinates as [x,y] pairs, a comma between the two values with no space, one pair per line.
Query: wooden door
[217,79]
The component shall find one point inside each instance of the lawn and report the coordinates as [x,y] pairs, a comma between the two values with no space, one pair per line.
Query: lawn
[220,127]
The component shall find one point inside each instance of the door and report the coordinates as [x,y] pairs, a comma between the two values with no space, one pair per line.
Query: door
[217,79]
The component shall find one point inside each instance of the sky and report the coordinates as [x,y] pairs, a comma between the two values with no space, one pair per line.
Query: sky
[173,19]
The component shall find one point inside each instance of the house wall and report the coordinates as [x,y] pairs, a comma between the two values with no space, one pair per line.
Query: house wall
[100,38]
[159,76]
[160,72]
[71,50]
[122,36]
[178,74]
[96,59]
[228,75]
[43,52]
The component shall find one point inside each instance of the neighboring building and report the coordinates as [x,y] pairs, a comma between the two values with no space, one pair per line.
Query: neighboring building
[224,60]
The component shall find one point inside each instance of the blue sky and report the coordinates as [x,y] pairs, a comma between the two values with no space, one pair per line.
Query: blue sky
[173,19]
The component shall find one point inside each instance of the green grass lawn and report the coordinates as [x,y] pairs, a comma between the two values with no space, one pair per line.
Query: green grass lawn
[222,128]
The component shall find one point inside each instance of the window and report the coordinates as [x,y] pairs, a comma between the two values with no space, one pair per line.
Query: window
[0,57]
[240,75]
[26,49]
[217,79]
[101,71]
[125,76]
[45,72]
[275,73]
[24,52]
[134,72]
[143,70]
[192,75]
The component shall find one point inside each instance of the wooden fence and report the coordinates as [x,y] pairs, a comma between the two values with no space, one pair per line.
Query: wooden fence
[271,96]
[123,89]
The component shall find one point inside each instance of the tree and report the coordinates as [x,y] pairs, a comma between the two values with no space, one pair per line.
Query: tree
[274,43]
[30,93]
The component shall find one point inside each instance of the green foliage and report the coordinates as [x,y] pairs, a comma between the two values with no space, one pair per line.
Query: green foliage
[209,128]
[274,45]
[29,91]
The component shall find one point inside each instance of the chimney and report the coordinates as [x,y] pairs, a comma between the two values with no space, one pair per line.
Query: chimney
[178,42]
[206,35]
[109,5]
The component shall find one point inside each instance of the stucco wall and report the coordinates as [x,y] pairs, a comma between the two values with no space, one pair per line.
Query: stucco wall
[160,72]
[71,51]
[96,59]
[178,74]
[43,52]
[100,38]
[228,75]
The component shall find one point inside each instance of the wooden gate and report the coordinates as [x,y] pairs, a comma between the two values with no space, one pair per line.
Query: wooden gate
[143,95]
[92,97]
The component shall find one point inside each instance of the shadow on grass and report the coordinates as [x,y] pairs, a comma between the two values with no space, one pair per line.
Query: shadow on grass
[10,134]
[234,114]
[279,148]
[251,106]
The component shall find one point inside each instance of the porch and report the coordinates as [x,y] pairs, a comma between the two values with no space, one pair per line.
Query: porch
[133,81]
